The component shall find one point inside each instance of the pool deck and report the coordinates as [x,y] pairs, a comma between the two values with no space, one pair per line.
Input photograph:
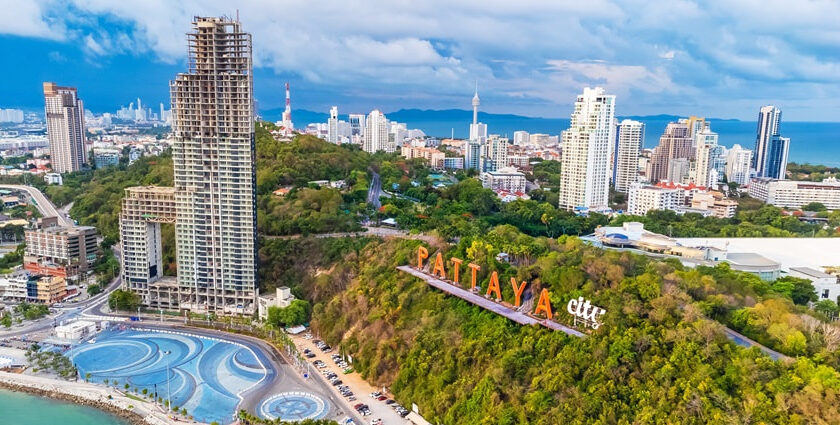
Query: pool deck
[500,309]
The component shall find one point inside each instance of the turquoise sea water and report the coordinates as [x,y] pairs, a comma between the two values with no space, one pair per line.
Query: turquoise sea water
[24,409]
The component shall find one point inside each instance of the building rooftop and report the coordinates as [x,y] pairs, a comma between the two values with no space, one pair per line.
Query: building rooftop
[751,259]
[812,273]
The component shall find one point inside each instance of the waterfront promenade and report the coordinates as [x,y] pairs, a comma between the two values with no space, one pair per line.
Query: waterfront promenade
[90,394]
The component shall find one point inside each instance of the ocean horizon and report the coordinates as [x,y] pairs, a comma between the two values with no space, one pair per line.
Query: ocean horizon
[810,142]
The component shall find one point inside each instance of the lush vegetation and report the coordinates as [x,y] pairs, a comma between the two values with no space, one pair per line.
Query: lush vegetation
[814,173]
[31,311]
[661,356]
[297,313]
[248,419]
[12,259]
[123,300]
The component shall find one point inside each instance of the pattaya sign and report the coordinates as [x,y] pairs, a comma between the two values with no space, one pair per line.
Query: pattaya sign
[581,309]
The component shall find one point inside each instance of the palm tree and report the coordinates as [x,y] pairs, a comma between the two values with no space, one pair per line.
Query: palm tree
[87,377]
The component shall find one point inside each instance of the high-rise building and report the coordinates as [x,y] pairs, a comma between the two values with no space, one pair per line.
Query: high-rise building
[65,116]
[11,115]
[674,143]
[332,125]
[376,132]
[587,145]
[695,126]
[706,157]
[738,163]
[769,118]
[357,124]
[777,157]
[213,203]
[495,153]
[520,138]
[626,166]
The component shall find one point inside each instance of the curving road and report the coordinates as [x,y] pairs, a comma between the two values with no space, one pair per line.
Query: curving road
[45,206]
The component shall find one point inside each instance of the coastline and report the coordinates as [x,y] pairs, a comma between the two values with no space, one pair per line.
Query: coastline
[86,394]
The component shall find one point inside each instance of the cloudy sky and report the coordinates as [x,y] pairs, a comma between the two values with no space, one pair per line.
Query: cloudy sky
[718,58]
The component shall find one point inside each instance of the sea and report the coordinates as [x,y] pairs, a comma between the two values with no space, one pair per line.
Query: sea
[25,409]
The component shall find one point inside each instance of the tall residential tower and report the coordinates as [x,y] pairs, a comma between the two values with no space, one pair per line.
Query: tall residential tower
[214,198]
[626,168]
[585,175]
[65,116]
[769,118]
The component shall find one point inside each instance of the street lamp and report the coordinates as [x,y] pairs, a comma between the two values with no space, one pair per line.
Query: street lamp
[168,388]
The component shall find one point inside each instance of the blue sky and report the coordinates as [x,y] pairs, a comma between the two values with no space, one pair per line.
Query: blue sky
[721,58]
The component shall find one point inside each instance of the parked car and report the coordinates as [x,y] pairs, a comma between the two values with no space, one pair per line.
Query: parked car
[382,398]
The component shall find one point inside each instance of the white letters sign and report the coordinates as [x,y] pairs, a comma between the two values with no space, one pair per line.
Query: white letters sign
[585,312]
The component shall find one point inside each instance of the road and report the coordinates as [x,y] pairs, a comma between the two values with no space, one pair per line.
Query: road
[92,305]
[374,191]
[45,207]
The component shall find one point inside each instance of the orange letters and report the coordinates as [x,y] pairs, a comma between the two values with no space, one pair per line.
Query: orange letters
[494,286]
[518,290]
[422,254]
[475,268]
[457,262]
[439,267]
[544,304]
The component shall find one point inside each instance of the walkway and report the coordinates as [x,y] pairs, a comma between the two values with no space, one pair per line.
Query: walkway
[383,232]
[500,309]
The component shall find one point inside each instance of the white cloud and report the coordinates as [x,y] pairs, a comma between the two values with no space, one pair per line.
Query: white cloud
[542,50]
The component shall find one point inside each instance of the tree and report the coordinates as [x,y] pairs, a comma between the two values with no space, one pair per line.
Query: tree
[814,206]
[94,289]
[297,313]
[123,300]
[6,321]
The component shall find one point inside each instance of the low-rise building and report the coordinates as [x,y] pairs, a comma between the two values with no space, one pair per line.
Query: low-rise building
[13,289]
[432,155]
[634,235]
[508,179]
[825,285]
[282,298]
[75,331]
[67,252]
[642,198]
[106,157]
[53,178]
[795,194]
[50,289]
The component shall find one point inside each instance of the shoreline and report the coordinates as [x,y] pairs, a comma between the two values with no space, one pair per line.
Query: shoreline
[85,394]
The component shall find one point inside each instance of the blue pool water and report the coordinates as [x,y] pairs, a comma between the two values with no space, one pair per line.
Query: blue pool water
[205,376]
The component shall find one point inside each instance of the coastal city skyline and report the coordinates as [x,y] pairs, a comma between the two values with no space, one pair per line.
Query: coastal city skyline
[214,259]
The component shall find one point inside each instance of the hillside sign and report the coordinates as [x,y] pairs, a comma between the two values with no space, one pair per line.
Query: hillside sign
[581,309]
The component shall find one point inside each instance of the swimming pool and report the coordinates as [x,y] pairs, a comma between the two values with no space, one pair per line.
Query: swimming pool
[206,375]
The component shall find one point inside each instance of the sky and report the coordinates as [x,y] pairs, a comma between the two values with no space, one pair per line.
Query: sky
[716,58]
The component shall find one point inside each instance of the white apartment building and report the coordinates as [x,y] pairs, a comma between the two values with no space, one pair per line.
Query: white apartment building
[508,178]
[539,139]
[643,198]
[706,145]
[495,153]
[520,138]
[376,132]
[332,125]
[626,168]
[587,146]
[65,117]
[738,162]
[795,194]
[519,161]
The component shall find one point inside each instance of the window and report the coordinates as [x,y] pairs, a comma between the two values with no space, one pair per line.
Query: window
[825,294]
